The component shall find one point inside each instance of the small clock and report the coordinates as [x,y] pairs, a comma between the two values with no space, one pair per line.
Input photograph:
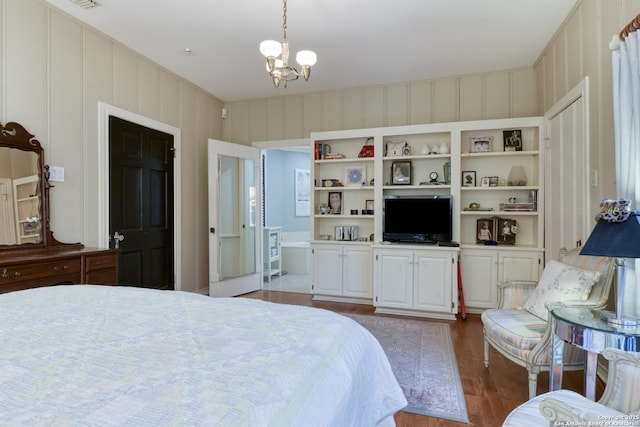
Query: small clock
[434,176]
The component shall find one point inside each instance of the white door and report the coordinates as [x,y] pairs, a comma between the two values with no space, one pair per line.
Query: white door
[433,274]
[567,173]
[357,280]
[479,270]
[235,261]
[327,269]
[394,276]
[520,266]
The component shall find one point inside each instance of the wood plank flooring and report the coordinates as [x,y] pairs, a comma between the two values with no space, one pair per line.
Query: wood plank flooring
[490,393]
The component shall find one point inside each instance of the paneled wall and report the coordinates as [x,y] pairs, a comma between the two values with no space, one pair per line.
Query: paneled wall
[475,97]
[581,48]
[53,73]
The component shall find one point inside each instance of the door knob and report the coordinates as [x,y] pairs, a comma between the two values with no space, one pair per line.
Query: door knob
[117,238]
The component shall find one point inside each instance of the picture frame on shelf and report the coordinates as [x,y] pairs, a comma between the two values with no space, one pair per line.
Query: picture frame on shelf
[485,181]
[401,172]
[469,178]
[481,144]
[334,201]
[30,228]
[493,181]
[512,140]
[507,230]
[486,230]
[355,175]
[368,206]
[397,149]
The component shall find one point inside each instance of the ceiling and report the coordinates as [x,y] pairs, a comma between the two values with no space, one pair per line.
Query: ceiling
[359,43]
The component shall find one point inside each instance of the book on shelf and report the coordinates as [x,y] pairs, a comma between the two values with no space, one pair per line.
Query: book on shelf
[517,207]
[321,150]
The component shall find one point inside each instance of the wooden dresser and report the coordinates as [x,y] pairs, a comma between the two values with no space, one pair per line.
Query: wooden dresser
[58,266]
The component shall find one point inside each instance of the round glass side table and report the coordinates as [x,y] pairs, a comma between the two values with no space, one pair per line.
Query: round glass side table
[583,328]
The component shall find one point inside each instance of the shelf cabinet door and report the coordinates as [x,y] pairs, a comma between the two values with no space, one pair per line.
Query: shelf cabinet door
[357,272]
[433,273]
[521,265]
[394,287]
[327,269]
[482,269]
[479,271]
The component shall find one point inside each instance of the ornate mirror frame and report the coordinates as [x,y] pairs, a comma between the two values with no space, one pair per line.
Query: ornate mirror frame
[15,136]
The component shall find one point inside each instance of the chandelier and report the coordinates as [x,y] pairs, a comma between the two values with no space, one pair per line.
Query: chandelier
[279,68]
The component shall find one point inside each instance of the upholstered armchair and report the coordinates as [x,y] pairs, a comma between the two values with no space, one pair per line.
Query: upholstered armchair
[519,328]
[619,404]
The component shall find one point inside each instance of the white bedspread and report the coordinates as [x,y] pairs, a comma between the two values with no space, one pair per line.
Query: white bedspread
[109,356]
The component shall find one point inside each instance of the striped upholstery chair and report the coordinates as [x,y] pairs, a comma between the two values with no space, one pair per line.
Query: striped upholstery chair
[525,339]
[619,404]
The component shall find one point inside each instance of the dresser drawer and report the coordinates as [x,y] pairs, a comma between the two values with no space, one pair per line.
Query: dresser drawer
[100,262]
[105,277]
[51,271]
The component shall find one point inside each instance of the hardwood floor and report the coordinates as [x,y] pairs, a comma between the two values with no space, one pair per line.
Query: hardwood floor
[490,393]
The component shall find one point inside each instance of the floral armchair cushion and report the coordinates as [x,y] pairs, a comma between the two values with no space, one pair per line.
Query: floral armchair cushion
[560,283]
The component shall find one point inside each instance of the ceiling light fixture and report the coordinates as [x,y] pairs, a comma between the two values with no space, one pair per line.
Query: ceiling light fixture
[279,68]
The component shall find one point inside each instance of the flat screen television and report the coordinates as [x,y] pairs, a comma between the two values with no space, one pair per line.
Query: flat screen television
[417,219]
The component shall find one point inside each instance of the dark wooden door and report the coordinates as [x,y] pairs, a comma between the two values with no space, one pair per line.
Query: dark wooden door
[141,203]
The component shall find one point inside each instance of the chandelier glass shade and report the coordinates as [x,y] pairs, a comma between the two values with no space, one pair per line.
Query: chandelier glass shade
[278,66]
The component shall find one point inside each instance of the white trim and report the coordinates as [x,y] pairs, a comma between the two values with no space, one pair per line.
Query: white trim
[104,112]
[581,90]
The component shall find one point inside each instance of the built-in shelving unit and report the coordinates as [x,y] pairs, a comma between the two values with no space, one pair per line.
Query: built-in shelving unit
[272,252]
[440,156]
[27,208]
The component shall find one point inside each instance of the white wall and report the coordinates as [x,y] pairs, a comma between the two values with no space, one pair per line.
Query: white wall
[53,73]
[474,97]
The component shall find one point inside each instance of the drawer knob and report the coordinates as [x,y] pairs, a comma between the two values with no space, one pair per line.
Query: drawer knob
[6,276]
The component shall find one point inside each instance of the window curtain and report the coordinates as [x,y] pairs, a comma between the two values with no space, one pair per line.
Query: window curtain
[626,116]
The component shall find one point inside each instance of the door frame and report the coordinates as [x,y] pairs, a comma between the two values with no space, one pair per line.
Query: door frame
[280,143]
[579,91]
[104,112]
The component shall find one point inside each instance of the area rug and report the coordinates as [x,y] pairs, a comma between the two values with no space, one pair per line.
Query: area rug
[424,363]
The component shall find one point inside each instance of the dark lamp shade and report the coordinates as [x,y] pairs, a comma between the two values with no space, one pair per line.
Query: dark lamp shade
[615,239]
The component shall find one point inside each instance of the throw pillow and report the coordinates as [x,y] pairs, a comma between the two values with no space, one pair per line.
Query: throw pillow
[560,283]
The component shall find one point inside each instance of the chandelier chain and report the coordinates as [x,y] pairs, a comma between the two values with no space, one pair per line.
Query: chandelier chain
[284,19]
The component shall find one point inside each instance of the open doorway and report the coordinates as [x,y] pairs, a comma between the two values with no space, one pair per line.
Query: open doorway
[286,208]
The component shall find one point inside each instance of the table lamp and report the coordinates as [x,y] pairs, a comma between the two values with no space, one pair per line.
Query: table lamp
[616,235]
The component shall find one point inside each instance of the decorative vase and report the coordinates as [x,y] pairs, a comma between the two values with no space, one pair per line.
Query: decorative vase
[443,148]
[425,149]
[447,172]
[517,176]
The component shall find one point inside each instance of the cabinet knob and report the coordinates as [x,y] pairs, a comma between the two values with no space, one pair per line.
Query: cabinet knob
[5,275]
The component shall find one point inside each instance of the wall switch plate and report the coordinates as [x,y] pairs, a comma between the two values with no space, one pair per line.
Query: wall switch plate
[56,174]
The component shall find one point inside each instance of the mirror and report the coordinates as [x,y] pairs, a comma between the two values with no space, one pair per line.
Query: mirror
[20,207]
[24,192]
[23,213]
[237,195]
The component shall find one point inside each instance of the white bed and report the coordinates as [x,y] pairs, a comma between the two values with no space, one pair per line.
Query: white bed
[107,356]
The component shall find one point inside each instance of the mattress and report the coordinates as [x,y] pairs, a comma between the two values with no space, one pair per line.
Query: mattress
[120,356]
